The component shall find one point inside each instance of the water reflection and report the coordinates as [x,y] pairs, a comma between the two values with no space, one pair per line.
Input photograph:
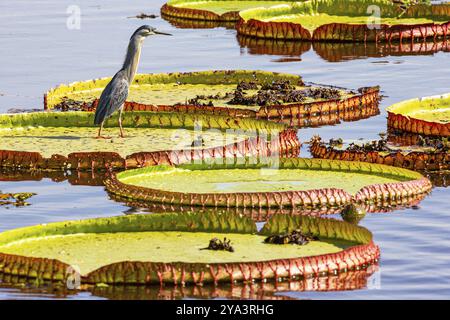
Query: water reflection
[351,280]
[181,23]
[263,214]
[337,52]
[340,51]
[74,177]
[273,47]
[411,240]
[95,179]
[332,118]
[439,179]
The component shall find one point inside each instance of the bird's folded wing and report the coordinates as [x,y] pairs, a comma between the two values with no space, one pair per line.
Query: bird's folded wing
[112,98]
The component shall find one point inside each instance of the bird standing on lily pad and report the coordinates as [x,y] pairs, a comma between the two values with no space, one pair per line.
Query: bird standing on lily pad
[116,91]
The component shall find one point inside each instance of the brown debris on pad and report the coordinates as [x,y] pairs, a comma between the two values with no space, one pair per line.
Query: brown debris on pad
[293,237]
[218,245]
[427,154]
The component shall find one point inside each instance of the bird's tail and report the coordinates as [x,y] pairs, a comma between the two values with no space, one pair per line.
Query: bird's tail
[100,113]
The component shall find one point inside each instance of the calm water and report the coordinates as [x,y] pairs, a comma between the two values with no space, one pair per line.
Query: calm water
[38,51]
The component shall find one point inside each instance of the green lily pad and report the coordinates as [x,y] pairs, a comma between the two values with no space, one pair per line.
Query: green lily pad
[172,88]
[252,180]
[293,183]
[145,242]
[57,135]
[312,21]
[92,251]
[432,109]
[50,141]
[249,94]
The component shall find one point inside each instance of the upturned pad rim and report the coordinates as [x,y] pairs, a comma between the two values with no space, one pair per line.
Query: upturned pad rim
[255,145]
[399,117]
[363,253]
[326,197]
[362,98]
[413,160]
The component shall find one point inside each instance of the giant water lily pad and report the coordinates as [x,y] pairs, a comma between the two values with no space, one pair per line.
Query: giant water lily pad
[433,157]
[170,248]
[213,10]
[259,94]
[55,140]
[427,116]
[293,183]
[345,20]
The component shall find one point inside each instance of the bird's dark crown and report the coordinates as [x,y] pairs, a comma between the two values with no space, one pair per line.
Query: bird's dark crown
[144,27]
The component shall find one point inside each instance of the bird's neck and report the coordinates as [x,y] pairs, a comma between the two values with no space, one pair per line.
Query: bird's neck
[131,62]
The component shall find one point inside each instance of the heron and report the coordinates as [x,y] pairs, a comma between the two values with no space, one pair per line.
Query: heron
[116,91]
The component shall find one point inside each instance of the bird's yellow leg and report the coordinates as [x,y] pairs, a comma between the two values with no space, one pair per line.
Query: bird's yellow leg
[122,135]
[99,136]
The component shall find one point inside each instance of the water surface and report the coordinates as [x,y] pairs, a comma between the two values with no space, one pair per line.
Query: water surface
[38,51]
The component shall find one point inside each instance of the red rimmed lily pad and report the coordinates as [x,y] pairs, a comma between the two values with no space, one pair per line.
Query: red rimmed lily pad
[346,20]
[248,94]
[427,116]
[415,157]
[303,183]
[65,140]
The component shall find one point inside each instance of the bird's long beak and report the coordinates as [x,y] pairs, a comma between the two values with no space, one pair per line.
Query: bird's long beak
[163,33]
